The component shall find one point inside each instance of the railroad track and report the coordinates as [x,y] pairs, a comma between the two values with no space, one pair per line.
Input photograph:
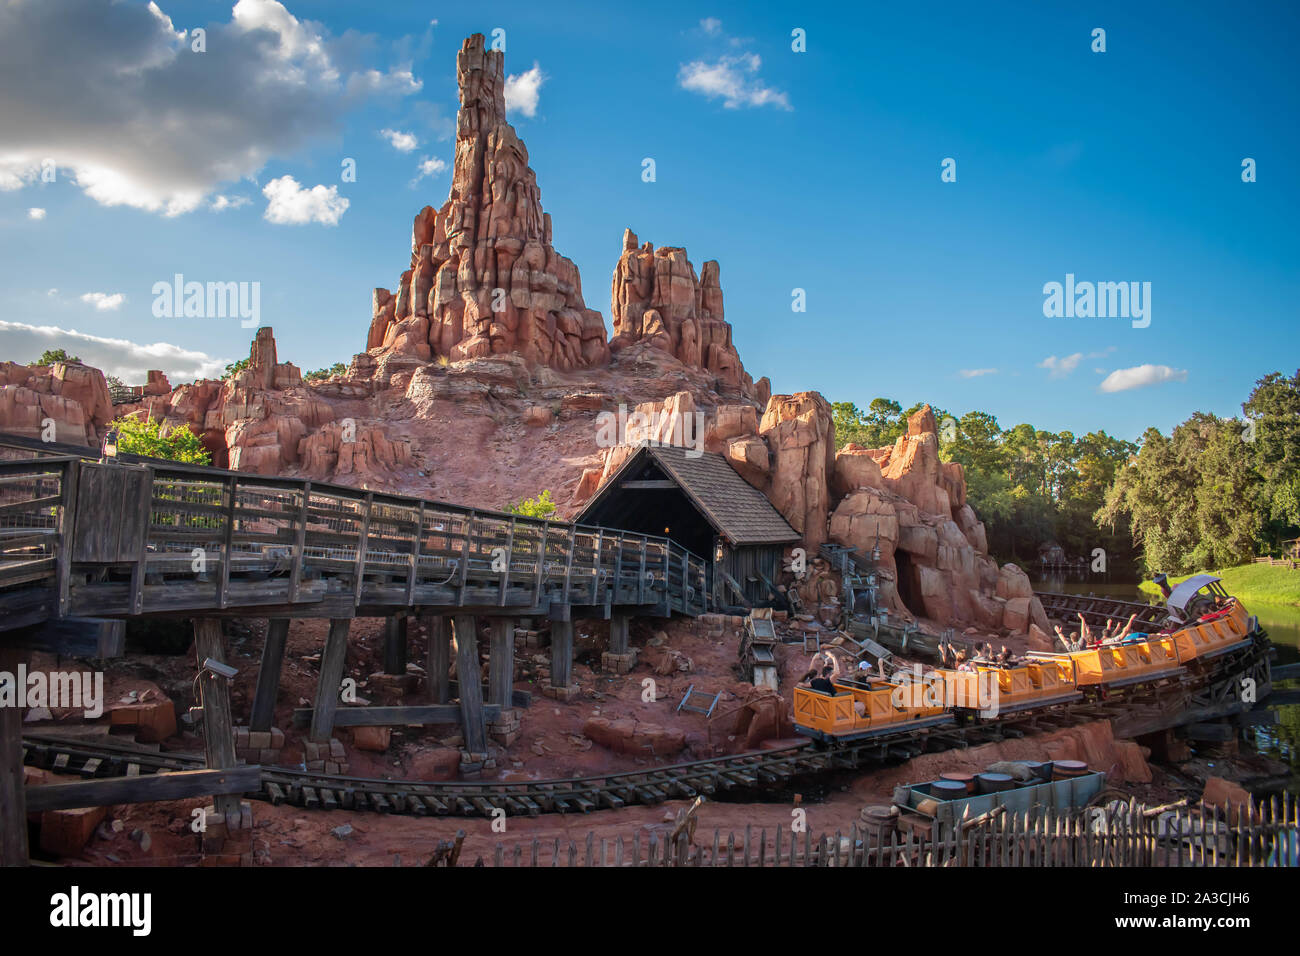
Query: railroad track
[750,770]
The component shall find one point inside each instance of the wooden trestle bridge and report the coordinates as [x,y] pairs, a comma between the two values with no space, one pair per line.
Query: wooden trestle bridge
[86,543]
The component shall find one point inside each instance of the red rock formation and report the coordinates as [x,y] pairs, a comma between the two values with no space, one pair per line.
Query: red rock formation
[800,434]
[484,278]
[64,402]
[657,298]
[934,559]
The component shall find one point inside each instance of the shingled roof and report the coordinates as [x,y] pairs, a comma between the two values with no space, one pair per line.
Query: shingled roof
[736,509]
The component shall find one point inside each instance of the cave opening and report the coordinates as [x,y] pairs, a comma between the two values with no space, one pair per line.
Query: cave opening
[909,583]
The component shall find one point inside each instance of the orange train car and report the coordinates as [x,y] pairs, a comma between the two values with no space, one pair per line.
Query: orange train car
[856,712]
[1044,679]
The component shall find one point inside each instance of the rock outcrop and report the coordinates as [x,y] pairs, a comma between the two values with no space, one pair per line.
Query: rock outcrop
[656,297]
[65,402]
[484,278]
[933,548]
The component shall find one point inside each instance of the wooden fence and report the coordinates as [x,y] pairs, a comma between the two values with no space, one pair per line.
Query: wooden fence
[1263,834]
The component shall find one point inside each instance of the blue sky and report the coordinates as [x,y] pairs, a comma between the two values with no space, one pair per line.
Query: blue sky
[817,170]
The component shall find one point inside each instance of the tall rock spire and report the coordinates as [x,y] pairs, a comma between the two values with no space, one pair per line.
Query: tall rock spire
[656,297]
[484,278]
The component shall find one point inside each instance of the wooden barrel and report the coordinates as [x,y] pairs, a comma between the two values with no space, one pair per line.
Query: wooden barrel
[1064,769]
[995,782]
[967,780]
[878,822]
[948,789]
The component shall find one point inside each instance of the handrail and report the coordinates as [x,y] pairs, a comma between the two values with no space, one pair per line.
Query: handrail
[236,517]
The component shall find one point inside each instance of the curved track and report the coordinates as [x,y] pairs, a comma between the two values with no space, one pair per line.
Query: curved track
[750,770]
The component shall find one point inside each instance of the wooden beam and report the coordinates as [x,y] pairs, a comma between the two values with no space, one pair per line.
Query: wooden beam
[395,631]
[501,661]
[396,716]
[561,653]
[472,721]
[74,637]
[268,675]
[110,791]
[619,630]
[214,693]
[438,670]
[649,485]
[67,516]
[13,810]
[332,661]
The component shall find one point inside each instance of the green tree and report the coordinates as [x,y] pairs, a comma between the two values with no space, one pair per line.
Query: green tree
[234,368]
[540,507]
[149,438]
[1273,434]
[320,374]
[51,356]
[879,426]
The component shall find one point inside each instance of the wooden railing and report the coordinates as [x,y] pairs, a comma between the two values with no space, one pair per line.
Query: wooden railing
[161,537]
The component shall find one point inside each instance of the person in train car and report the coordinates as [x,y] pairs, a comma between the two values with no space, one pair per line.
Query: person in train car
[1086,637]
[823,684]
[1068,641]
[1176,618]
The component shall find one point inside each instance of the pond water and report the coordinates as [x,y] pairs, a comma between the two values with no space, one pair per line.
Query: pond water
[1280,621]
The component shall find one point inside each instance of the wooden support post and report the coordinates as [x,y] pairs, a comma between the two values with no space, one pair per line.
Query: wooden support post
[501,662]
[13,809]
[619,627]
[214,695]
[395,630]
[268,675]
[332,660]
[561,653]
[472,723]
[438,658]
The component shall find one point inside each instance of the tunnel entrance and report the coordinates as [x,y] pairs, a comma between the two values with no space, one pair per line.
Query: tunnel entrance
[909,583]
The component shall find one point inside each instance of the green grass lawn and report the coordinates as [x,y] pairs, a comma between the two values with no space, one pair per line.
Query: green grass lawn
[1253,583]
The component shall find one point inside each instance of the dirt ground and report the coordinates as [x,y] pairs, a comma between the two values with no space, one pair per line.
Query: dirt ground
[551,745]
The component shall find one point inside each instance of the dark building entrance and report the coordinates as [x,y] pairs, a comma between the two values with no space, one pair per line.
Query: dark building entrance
[699,501]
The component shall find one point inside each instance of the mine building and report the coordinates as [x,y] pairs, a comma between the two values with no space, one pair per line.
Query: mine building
[698,500]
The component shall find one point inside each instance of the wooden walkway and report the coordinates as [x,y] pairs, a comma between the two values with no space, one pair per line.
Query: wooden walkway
[81,538]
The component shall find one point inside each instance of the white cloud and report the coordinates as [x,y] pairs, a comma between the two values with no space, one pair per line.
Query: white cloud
[977,372]
[1061,367]
[129,361]
[711,25]
[523,91]
[429,166]
[1140,376]
[36,212]
[734,78]
[144,121]
[290,204]
[105,302]
[221,202]
[402,142]
[52,292]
